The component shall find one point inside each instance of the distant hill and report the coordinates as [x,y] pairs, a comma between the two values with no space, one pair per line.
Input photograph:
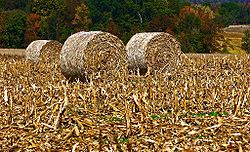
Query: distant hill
[219,1]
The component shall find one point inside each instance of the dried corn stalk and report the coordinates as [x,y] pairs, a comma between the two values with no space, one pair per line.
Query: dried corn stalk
[86,53]
[43,50]
[157,50]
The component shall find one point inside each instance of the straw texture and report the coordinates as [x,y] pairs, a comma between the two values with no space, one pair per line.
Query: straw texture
[43,50]
[86,53]
[157,50]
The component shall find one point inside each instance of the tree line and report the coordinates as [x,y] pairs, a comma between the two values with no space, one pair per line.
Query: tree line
[218,1]
[196,26]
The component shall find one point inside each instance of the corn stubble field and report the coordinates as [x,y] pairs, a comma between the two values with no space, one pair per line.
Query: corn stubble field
[201,106]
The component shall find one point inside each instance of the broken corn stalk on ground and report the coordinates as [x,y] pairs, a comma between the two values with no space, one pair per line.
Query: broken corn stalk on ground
[201,106]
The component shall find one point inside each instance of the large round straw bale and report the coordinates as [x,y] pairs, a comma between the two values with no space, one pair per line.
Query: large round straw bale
[43,50]
[157,50]
[86,53]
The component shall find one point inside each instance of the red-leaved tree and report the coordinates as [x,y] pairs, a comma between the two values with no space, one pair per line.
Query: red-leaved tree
[33,26]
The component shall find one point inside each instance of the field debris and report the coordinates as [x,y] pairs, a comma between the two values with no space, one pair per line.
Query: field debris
[203,106]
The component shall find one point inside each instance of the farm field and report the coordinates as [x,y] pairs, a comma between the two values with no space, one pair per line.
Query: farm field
[17,52]
[233,35]
[201,106]
[234,42]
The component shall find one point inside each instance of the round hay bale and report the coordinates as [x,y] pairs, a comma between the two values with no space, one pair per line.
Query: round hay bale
[86,53]
[157,50]
[43,50]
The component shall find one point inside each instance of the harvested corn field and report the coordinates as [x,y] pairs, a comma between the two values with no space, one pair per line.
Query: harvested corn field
[201,106]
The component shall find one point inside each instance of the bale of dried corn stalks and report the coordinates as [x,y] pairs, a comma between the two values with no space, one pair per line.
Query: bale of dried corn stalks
[86,53]
[43,50]
[157,50]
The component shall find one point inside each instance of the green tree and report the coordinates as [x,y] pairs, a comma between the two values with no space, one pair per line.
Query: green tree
[1,5]
[45,8]
[54,27]
[54,23]
[246,41]
[190,35]
[15,4]
[61,18]
[129,16]
[229,13]
[244,17]
[100,13]
[13,29]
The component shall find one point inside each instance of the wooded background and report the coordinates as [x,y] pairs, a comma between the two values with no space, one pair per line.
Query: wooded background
[196,25]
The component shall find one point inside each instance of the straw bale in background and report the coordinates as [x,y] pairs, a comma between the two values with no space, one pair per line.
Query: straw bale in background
[43,50]
[157,50]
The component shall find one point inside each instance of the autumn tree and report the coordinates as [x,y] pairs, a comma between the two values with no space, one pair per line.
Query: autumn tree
[197,30]
[70,8]
[59,18]
[113,28]
[163,23]
[13,29]
[32,28]
[53,19]
[169,20]
[193,25]
[81,20]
